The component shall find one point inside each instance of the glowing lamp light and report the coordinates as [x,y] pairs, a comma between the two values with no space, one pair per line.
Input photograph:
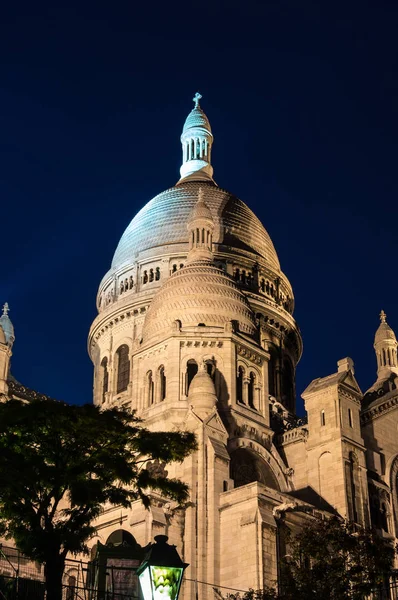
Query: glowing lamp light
[161,571]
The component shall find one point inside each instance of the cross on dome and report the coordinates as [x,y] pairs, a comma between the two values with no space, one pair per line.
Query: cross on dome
[196,99]
[6,308]
[383,316]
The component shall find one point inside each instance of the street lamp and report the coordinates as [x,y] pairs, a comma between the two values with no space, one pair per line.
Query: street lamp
[161,571]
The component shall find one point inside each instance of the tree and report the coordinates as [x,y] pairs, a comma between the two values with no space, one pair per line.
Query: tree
[335,560]
[330,560]
[60,464]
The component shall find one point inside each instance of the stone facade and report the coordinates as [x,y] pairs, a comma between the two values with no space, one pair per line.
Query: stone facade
[195,331]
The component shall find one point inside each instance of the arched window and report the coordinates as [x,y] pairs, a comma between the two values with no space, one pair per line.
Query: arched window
[192,369]
[352,477]
[162,384]
[384,512]
[105,378]
[323,418]
[287,381]
[71,588]
[211,368]
[239,385]
[272,384]
[247,466]
[145,277]
[262,285]
[174,269]
[157,274]
[149,388]
[123,368]
[151,275]
[250,390]
[131,282]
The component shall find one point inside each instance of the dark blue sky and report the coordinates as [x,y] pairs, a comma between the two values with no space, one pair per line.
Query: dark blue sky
[303,101]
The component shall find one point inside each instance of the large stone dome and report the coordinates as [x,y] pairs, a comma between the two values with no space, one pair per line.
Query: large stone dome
[198,294]
[163,222]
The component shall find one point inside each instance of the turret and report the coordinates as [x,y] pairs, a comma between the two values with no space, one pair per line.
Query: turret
[196,140]
[7,339]
[385,346]
[200,227]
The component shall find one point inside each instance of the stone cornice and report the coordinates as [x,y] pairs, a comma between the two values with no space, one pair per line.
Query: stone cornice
[106,321]
[379,410]
[251,354]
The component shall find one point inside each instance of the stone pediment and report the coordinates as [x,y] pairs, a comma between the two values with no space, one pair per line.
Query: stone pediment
[343,380]
[213,422]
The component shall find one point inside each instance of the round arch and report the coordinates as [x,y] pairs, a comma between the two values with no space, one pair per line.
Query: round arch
[269,458]
[247,466]
[121,537]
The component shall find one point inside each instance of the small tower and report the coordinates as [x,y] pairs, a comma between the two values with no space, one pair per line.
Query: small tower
[196,140]
[7,339]
[385,346]
[200,227]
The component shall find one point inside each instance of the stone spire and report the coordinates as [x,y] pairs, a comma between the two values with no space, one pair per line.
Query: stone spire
[385,345]
[200,227]
[196,140]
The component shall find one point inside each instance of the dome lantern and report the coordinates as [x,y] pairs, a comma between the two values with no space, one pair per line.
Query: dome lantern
[196,140]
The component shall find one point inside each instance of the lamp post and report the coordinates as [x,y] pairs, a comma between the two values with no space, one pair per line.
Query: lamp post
[161,571]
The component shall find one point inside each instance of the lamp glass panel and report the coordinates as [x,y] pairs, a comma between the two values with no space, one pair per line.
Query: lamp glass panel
[166,582]
[145,582]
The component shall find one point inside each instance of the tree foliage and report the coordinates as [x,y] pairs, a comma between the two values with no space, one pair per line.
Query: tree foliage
[335,560]
[329,559]
[60,464]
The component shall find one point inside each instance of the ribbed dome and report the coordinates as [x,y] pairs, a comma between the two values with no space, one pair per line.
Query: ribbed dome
[384,332]
[199,293]
[200,211]
[163,222]
[196,118]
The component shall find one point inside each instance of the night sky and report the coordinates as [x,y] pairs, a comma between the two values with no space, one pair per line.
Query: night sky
[303,100]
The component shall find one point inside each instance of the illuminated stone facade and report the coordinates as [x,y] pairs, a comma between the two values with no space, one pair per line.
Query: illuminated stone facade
[195,330]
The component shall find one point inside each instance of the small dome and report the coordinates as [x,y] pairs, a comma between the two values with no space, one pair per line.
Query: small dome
[384,331]
[202,393]
[199,293]
[200,210]
[196,118]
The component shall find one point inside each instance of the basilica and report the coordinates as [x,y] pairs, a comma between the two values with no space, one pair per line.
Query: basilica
[196,331]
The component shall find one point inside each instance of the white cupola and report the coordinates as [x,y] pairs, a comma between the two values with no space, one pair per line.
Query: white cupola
[196,140]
